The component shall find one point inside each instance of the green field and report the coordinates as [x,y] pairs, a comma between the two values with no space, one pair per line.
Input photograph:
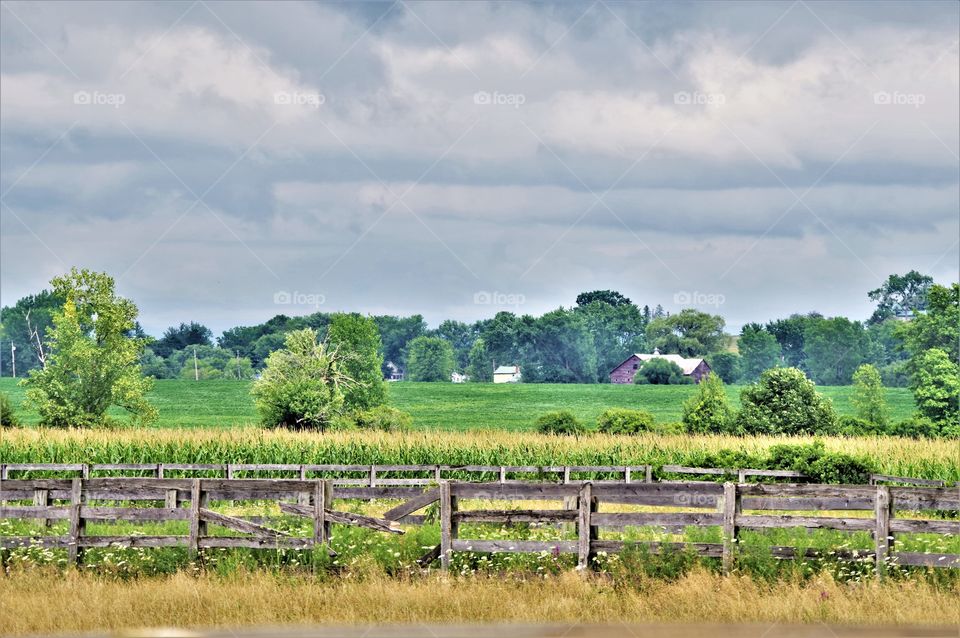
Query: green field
[455,407]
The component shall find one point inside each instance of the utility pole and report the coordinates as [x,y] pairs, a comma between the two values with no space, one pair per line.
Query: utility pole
[239,376]
[13,357]
[196,371]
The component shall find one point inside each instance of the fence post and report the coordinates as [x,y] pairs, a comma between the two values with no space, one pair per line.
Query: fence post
[503,474]
[648,477]
[731,509]
[626,474]
[881,535]
[585,532]
[446,525]
[74,555]
[41,498]
[373,476]
[566,474]
[85,471]
[741,476]
[320,500]
[193,544]
[304,497]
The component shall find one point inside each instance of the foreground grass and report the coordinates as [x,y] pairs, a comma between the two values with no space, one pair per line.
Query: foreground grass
[937,459]
[454,406]
[76,602]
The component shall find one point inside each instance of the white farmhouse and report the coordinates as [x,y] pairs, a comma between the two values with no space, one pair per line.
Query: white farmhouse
[507,374]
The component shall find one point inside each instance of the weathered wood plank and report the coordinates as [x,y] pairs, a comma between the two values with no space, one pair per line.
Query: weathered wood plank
[509,546]
[446,525]
[809,522]
[637,519]
[256,542]
[237,524]
[429,557]
[360,520]
[886,478]
[513,491]
[585,509]
[732,507]
[32,511]
[711,550]
[926,560]
[925,526]
[194,538]
[74,555]
[515,516]
[883,540]
[100,513]
[133,541]
[416,503]
[813,503]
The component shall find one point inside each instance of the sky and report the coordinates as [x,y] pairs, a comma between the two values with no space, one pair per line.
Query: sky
[228,161]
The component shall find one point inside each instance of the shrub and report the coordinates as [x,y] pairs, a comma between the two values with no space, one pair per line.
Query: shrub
[357,339]
[561,422]
[868,396]
[819,465]
[708,410]
[916,427]
[660,371]
[624,421]
[936,387]
[381,418]
[784,401]
[8,417]
[847,425]
[302,385]
[430,359]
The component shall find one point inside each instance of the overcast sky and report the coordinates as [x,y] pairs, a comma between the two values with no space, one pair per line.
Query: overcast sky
[231,161]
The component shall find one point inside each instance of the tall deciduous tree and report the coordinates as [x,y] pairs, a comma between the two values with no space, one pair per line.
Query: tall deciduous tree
[92,364]
[689,333]
[358,342]
[936,388]
[868,396]
[900,295]
[759,351]
[179,337]
[834,348]
[430,359]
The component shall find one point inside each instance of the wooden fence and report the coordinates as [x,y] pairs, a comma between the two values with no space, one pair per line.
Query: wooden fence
[729,506]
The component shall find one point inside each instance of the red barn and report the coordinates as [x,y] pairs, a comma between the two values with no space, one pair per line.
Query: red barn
[696,369]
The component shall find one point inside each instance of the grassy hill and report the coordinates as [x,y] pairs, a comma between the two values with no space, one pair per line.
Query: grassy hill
[455,407]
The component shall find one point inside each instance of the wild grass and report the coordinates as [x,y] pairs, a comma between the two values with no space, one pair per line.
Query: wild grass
[80,602]
[937,459]
[455,407]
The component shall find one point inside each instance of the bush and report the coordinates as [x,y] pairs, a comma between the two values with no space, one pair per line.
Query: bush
[660,371]
[784,401]
[708,411]
[8,419]
[916,427]
[936,387]
[430,359]
[819,465]
[624,421]
[381,418]
[302,385]
[868,396]
[853,426]
[561,422]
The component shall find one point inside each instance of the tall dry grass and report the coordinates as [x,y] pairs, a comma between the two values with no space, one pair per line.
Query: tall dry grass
[43,602]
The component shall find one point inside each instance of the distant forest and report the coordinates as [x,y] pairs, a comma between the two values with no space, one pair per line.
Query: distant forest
[579,344]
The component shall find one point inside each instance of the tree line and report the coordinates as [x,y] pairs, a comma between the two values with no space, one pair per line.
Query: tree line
[579,344]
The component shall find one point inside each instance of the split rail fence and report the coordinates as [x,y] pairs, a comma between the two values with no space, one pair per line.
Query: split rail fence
[591,507]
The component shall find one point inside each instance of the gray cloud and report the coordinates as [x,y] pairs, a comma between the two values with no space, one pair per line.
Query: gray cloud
[401,157]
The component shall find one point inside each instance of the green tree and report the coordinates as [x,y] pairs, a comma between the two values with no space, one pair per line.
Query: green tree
[212,363]
[660,371]
[938,327]
[480,367]
[91,363]
[617,330]
[759,351]
[25,325]
[558,348]
[397,333]
[182,336]
[708,411]
[690,333]
[868,396]
[789,333]
[461,336]
[727,365]
[302,385]
[358,341]
[608,297]
[900,295]
[430,359]
[936,388]
[834,348]
[784,401]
